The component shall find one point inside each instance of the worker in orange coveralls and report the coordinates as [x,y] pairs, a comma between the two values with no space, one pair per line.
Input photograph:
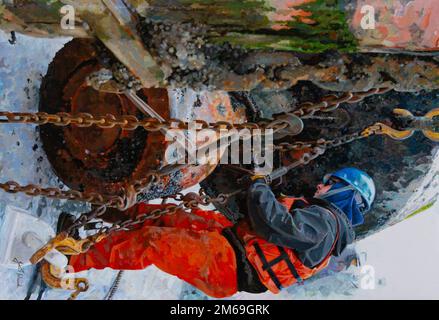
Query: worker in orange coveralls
[281,242]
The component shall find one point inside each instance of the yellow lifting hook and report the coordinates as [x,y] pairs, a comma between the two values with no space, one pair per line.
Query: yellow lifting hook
[426,124]
[64,244]
[55,277]
[58,279]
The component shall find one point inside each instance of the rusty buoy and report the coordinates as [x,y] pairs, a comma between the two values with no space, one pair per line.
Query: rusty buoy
[102,160]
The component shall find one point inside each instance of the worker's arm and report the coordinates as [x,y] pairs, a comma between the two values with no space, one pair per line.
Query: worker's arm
[304,229]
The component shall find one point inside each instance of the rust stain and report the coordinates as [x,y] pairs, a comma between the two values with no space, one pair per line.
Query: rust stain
[219,108]
[285,10]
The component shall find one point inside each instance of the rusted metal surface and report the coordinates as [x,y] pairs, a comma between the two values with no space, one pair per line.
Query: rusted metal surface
[407,25]
[104,160]
[115,26]
[403,24]
[37,18]
[210,106]
[180,54]
[109,20]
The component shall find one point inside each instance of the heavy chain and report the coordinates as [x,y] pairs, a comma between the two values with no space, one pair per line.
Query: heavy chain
[137,187]
[121,202]
[130,122]
[188,201]
[375,129]
[332,102]
[33,190]
[193,200]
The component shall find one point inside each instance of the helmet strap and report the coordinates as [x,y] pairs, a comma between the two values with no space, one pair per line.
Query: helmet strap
[336,191]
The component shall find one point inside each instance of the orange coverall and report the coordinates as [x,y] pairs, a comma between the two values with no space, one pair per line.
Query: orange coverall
[187,245]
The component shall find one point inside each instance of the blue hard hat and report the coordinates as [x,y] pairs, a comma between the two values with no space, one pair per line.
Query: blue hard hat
[359,180]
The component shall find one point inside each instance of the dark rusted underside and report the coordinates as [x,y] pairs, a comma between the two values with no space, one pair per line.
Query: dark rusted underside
[394,165]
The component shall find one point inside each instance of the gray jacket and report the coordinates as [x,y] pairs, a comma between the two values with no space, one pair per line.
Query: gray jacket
[310,231]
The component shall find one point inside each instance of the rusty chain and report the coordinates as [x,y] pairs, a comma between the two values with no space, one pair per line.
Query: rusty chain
[129,122]
[188,201]
[33,190]
[331,102]
[121,202]
[128,201]
[333,143]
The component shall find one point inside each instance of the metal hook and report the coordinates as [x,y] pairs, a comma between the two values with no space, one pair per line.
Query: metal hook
[431,134]
[393,133]
[426,124]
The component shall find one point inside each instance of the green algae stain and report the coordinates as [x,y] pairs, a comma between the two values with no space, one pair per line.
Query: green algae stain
[329,31]
[230,14]
[281,43]
[330,26]
[54,6]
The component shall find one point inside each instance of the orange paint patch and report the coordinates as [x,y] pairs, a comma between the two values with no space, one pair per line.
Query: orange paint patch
[400,24]
[278,27]
[285,10]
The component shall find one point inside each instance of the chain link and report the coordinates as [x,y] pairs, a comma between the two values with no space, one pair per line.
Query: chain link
[138,186]
[121,202]
[56,193]
[332,102]
[330,144]
[129,122]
